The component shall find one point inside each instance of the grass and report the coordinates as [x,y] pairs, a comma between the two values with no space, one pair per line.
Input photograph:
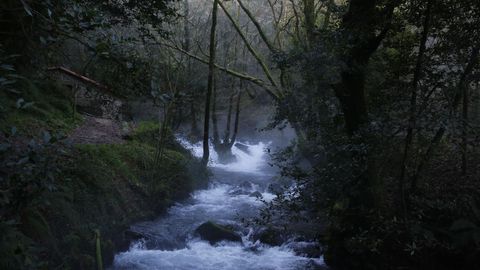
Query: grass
[97,187]
[107,188]
[115,185]
[49,108]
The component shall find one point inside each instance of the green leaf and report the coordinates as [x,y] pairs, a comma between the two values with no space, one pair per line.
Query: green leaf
[7,67]
[20,102]
[475,210]
[462,225]
[15,76]
[11,222]
[14,91]
[28,105]
[23,160]
[27,8]
[46,137]
[4,147]
[7,82]
[43,41]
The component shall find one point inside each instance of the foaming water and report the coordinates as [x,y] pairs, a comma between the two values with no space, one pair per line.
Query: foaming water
[251,162]
[201,255]
[238,190]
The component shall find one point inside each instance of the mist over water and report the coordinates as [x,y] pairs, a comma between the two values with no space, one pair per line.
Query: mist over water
[253,162]
[169,242]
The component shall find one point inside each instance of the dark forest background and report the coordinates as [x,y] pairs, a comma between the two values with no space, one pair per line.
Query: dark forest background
[383,96]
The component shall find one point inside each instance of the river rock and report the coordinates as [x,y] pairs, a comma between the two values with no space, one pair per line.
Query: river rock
[215,233]
[275,188]
[256,194]
[132,235]
[245,188]
[246,185]
[237,191]
[255,247]
[243,147]
[307,249]
[270,236]
[315,265]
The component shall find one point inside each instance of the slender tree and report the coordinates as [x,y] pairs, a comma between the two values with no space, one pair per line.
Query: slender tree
[413,103]
[210,85]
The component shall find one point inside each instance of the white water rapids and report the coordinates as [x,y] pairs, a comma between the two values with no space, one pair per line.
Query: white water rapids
[169,241]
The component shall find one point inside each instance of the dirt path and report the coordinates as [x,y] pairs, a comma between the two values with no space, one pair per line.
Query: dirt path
[97,131]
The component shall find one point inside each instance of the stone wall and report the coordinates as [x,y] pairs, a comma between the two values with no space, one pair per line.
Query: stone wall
[90,100]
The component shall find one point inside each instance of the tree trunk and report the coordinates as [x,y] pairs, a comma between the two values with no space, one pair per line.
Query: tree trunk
[413,108]
[465,129]
[211,71]
[363,196]
[278,91]
[195,131]
[359,29]
[186,29]
[237,119]
[328,14]
[216,137]
[463,82]
[229,118]
[309,13]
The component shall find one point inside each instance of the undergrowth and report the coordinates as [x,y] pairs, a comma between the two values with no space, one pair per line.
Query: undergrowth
[54,195]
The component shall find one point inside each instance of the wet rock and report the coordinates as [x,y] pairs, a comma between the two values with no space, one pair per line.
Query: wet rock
[255,247]
[215,233]
[279,185]
[238,191]
[256,194]
[243,147]
[246,185]
[245,188]
[270,236]
[307,249]
[132,235]
[275,188]
[315,265]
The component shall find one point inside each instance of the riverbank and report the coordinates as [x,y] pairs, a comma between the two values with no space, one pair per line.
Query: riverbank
[57,191]
[211,229]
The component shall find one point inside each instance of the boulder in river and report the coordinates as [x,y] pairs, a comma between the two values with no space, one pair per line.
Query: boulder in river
[244,188]
[215,233]
[275,188]
[243,147]
[307,249]
[315,265]
[246,185]
[279,185]
[271,236]
[256,194]
[132,235]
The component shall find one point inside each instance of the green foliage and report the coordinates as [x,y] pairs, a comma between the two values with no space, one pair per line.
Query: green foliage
[393,200]
[149,132]
[114,185]
[53,202]
[54,196]
[36,32]
[8,73]
[149,14]
[16,248]
[27,173]
[37,106]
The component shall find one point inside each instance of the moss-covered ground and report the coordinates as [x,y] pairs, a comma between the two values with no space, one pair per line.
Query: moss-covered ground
[104,187]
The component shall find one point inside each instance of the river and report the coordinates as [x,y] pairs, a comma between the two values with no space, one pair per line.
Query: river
[169,241]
